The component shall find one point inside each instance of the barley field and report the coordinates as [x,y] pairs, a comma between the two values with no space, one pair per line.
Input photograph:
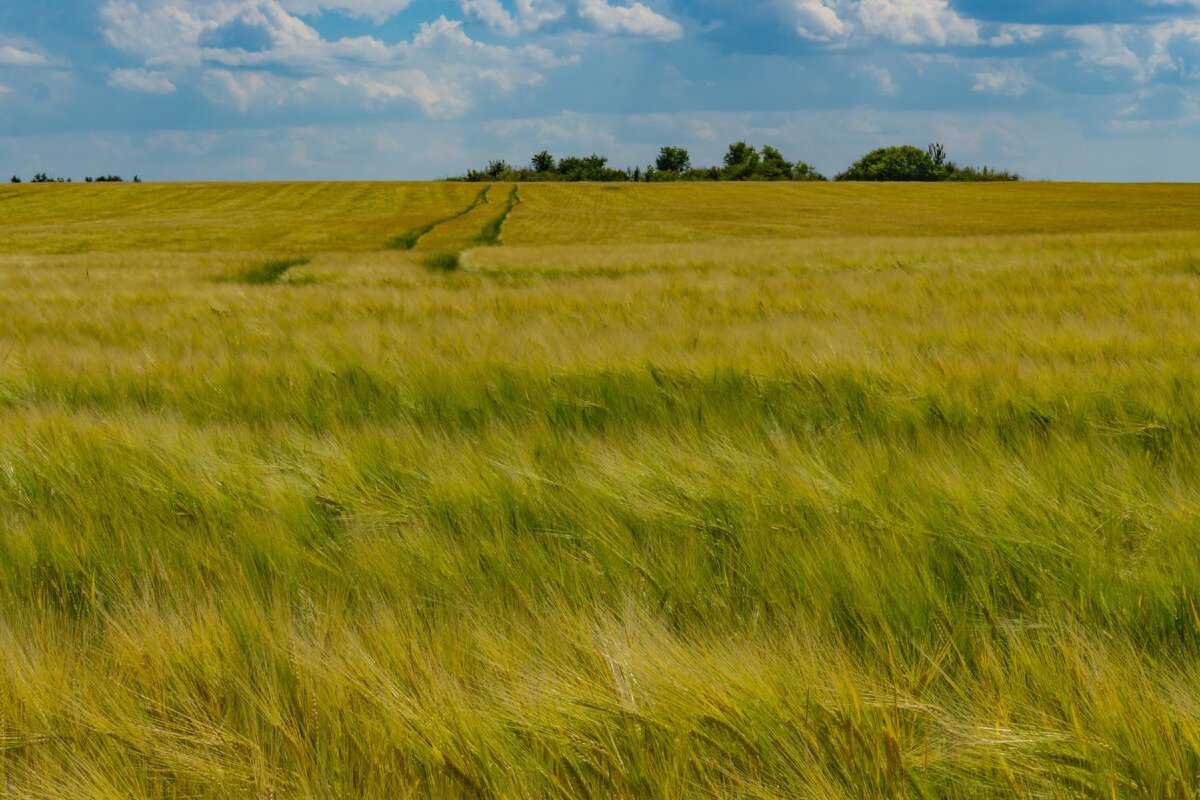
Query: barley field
[598,491]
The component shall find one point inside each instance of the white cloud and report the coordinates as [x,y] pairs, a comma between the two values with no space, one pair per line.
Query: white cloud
[232,49]
[4,90]
[818,20]
[141,80]
[1017,34]
[493,14]
[536,13]
[917,22]
[20,57]
[438,102]
[530,15]
[637,19]
[1105,48]
[378,11]
[245,90]
[881,77]
[1009,80]
[1176,48]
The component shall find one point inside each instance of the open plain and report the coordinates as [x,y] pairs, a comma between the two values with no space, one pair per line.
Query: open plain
[638,491]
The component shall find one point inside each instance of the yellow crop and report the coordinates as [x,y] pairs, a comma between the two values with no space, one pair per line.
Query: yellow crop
[644,491]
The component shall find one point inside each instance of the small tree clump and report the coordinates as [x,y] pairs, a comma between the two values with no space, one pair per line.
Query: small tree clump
[674,160]
[543,163]
[741,161]
[904,163]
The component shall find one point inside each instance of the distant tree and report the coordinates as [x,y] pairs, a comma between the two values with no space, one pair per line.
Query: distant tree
[673,159]
[773,166]
[904,163]
[41,177]
[703,174]
[806,172]
[741,160]
[590,168]
[543,163]
[137,179]
[15,179]
[637,174]
[498,168]
[937,154]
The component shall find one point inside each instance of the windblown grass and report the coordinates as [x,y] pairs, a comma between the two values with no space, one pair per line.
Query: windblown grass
[678,493]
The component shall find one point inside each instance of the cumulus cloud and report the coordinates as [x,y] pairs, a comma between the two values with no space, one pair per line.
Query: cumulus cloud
[20,57]
[141,80]
[636,19]
[909,23]
[1105,48]
[917,22]
[378,11]
[1009,80]
[530,15]
[881,77]
[818,20]
[1176,49]
[256,55]
[1017,34]
[493,14]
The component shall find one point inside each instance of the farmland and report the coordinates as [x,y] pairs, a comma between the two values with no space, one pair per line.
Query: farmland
[552,491]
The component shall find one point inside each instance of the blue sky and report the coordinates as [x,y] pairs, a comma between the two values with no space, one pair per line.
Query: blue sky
[316,89]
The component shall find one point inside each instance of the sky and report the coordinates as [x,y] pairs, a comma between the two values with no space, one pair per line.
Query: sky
[417,89]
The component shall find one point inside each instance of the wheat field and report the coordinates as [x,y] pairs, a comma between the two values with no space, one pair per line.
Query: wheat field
[567,491]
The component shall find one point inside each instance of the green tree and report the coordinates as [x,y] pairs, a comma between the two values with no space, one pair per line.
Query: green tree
[904,163]
[591,168]
[802,171]
[543,163]
[773,166]
[741,160]
[673,159]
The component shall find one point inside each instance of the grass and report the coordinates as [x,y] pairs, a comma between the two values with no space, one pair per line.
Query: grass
[726,492]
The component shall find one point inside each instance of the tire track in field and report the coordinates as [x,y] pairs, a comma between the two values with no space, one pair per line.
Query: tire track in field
[408,240]
[490,235]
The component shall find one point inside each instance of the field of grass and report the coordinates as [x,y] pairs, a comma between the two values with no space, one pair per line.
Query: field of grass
[563,491]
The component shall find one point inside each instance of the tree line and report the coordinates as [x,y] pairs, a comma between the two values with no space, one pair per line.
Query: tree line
[42,177]
[744,162]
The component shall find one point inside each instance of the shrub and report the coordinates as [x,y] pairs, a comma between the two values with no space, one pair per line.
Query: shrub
[984,174]
[543,163]
[904,163]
